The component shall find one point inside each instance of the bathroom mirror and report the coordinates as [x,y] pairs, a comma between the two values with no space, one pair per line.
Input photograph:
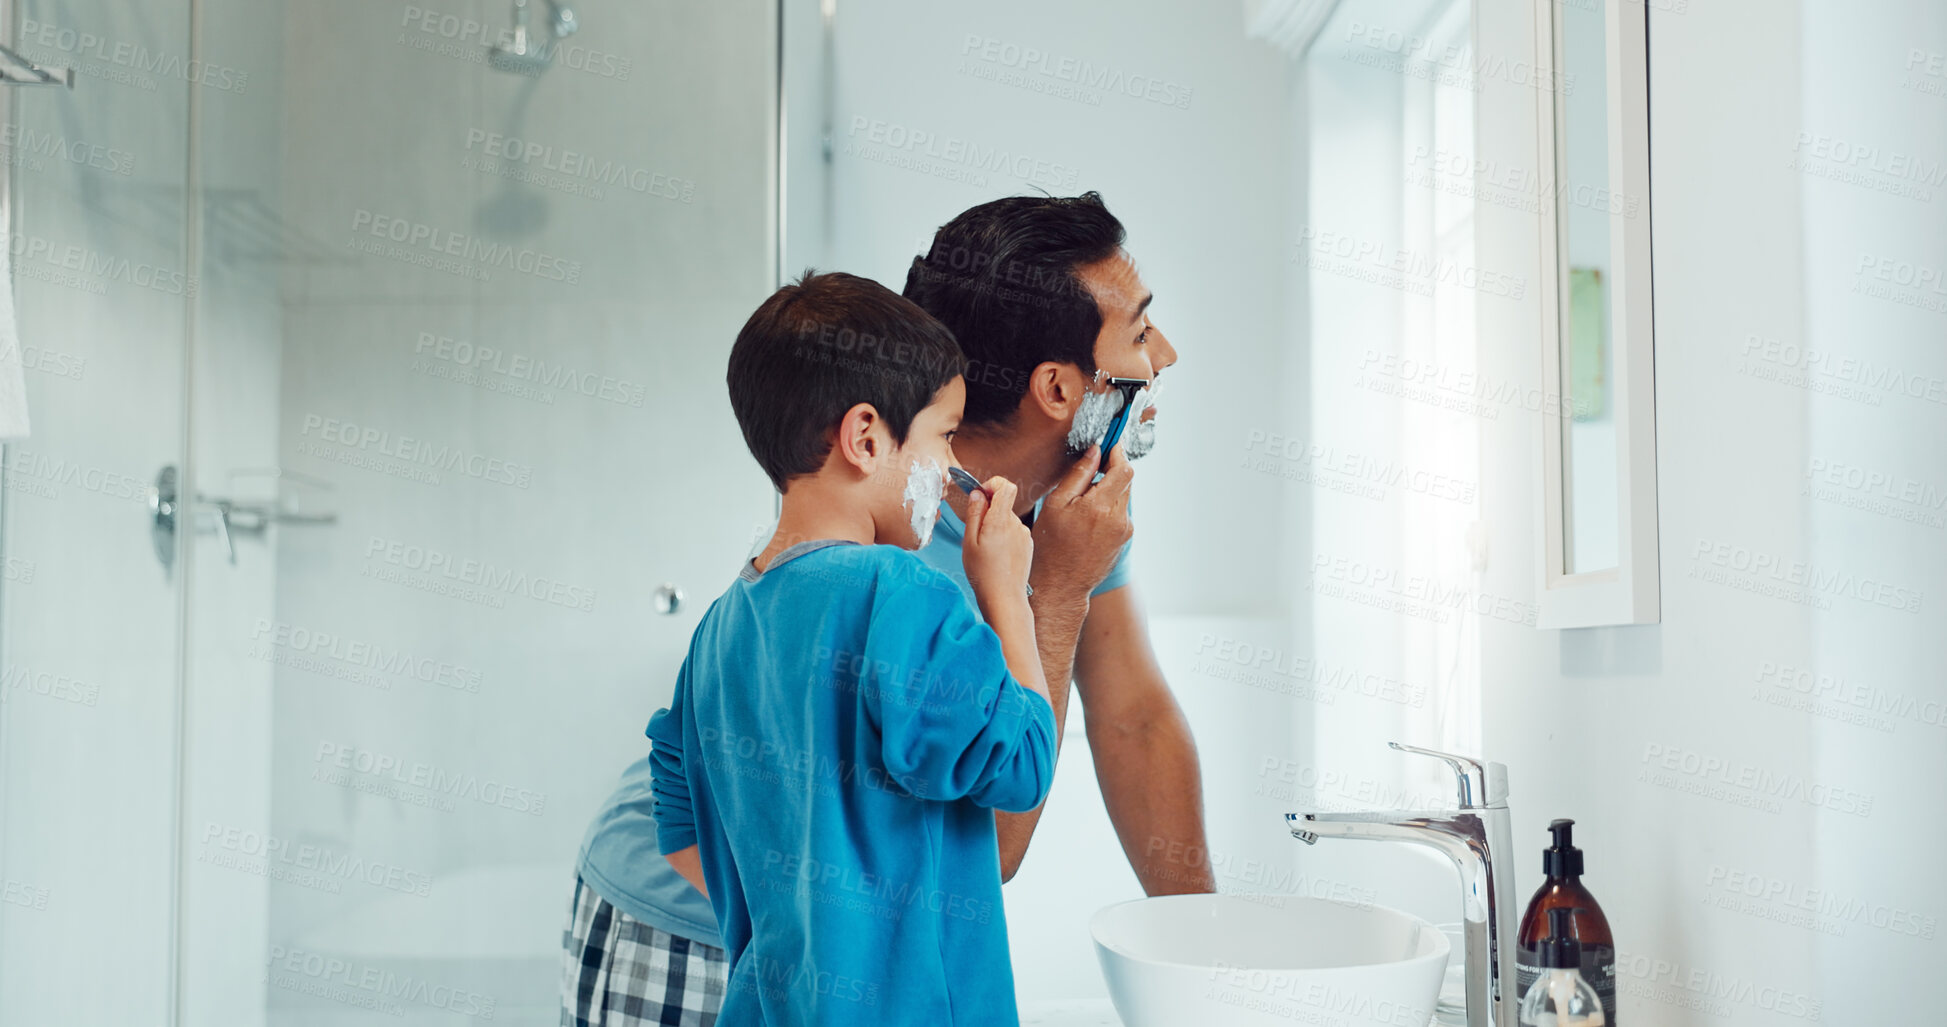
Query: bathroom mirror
[1598,437]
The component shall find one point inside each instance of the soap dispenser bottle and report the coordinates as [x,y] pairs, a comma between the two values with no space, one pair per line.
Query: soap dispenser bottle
[1561,862]
[1559,997]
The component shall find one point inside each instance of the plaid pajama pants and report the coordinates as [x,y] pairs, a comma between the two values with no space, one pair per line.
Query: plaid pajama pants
[617,971]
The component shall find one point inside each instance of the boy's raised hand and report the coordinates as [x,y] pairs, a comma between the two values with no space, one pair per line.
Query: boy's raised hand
[997,549]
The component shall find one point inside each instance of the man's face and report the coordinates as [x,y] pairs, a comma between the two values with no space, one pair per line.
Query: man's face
[1129,345]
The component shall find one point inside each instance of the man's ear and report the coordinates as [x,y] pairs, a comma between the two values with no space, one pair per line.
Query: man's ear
[862,440]
[1056,389]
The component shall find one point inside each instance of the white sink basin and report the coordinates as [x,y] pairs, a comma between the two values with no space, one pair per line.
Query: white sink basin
[1259,960]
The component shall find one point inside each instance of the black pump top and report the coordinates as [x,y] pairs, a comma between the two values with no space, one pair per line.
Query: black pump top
[1560,950]
[1562,859]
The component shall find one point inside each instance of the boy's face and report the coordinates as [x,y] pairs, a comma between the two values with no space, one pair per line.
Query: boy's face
[916,476]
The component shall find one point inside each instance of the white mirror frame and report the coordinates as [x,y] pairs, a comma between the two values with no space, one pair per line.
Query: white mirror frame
[1627,593]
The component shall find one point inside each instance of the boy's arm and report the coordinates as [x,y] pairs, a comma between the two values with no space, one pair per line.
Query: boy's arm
[688,863]
[952,721]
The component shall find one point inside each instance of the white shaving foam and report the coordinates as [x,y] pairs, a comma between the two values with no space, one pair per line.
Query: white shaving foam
[1092,419]
[925,487]
[1141,434]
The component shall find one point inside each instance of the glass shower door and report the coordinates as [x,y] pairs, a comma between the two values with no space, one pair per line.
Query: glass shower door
[90,619]
[468,310]
[442,399]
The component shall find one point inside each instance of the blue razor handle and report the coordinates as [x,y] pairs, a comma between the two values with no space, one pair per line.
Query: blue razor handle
[1129,387]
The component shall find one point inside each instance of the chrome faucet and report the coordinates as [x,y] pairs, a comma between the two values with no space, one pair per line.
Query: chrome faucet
[1476,836]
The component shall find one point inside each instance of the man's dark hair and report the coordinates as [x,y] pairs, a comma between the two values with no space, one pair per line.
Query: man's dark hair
[1004,278]
[822,345]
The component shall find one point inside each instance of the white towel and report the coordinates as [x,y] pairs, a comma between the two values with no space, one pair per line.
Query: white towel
[13,384]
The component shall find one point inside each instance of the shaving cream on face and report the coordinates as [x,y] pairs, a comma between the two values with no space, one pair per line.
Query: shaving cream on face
[1140,435]
[925,487]
[1092,419]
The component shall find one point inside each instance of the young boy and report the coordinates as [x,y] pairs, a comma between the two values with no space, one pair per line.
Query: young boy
[844,725]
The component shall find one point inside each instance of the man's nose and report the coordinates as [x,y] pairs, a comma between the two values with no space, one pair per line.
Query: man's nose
[1161,353]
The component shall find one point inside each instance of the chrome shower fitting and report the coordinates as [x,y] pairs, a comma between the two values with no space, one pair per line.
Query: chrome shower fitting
[523,56]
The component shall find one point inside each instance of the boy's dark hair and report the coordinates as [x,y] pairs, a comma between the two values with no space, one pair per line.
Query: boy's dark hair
[1004,279]
[822,345]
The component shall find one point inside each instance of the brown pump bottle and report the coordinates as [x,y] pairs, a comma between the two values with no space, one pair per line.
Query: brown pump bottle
[1561,863]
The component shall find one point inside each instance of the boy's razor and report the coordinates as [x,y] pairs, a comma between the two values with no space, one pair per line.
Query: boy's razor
[1128,387]
[967,482]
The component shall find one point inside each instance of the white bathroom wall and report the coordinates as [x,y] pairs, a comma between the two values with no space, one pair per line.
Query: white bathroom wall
[1754,777]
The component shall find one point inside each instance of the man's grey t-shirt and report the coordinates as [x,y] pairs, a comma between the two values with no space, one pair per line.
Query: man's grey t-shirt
[620,857]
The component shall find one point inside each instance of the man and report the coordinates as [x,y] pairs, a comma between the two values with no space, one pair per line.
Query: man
[1041,296]
[1043,301]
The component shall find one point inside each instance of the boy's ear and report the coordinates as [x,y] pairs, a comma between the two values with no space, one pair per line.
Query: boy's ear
[862,439]
[1056,389]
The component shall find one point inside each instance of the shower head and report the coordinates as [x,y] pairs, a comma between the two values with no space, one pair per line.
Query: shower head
[524,56]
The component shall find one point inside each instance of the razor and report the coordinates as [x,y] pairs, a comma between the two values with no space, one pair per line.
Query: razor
[967,482]
[1128,387]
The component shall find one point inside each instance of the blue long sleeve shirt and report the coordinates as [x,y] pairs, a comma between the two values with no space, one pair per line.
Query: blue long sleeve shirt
[840,734]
